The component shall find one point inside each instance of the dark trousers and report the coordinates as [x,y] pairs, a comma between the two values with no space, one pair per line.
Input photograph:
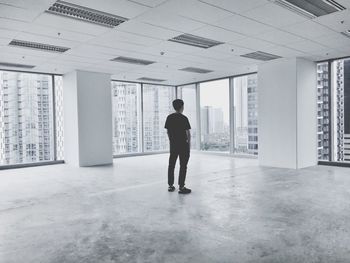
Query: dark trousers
[184,155]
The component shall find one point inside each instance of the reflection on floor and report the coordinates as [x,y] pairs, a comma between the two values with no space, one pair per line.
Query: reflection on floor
[238,212]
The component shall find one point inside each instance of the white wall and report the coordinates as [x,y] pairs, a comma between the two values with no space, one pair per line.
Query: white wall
[307,113]
[70,111]
[90,137]
[277,113]
[287,113]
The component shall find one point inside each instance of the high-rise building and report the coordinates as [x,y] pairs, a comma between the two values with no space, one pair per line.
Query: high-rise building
[252,90]
[323,111]
[157,104]
[342,89]
[26,119]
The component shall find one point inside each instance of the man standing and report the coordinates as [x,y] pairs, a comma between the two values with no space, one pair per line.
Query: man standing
[179,135]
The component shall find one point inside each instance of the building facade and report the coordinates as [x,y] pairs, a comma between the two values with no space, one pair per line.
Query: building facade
[26,118]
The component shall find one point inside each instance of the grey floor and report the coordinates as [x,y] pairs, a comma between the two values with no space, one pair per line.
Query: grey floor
[238,212]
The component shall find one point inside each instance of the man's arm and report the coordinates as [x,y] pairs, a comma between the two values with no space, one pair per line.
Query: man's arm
[188,133]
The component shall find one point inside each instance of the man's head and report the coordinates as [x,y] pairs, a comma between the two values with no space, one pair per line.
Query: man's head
[178,105]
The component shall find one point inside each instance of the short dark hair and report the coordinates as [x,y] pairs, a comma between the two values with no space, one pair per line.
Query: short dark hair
[177,104]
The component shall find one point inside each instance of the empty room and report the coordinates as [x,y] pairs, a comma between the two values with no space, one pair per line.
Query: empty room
[172,131]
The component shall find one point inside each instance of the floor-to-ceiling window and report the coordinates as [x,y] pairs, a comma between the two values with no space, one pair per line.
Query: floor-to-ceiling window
[214,105]
[126,114]
[188,94]
[323,111]
[333,116]
[157,105]
[26,118]
[245,114]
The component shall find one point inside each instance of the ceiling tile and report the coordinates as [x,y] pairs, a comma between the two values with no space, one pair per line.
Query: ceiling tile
[69,24]
[243,25]
[128,9]
[117,38]
[144,29]
[217,33]
[308,29]
[57,33]
[236,6]
[274,15]
[334,20]
[14,12]
[169,21]
[283,51]
[230,49]
[253,43]
[149,3]
[193,10]
[306,46]
[333,40]
[279,37]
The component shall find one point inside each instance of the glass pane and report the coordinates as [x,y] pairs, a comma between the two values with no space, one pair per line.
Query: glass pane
[26,118]
[323,112]
[59,118]
[157,105]
[126,103]
[245,110]
[341,110]
[214,100]
[188,95]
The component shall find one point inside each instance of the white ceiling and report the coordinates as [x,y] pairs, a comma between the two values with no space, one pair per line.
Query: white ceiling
[243,26]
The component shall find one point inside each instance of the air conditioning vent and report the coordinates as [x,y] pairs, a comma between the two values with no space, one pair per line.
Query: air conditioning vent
[346,33]
[135,61]
[259,55]
[151,79]
[196,70]
[195,41]
[310,8]
[82,13]
[38,46]
[15,65]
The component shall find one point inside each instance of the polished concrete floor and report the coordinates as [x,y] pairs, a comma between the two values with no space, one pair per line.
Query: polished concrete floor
[238,212]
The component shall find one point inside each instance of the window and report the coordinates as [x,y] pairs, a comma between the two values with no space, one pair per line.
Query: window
[323,111]
[214,105]
[126,113]
[333,110]
[157,105]
[245,112]
[189,95]
[26,118]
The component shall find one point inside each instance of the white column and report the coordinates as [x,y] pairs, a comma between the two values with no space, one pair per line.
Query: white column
[287,113]
[87,118]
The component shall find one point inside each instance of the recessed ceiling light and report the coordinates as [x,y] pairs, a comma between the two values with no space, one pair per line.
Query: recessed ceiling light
[259,55]
[86,14]
[151,79]
[135,61]
[310,8]
[38,46]
[15,65]
[195,41]
[196,70]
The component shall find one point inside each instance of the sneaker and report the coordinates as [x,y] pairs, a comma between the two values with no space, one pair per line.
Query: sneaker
[184,190]
[171,188]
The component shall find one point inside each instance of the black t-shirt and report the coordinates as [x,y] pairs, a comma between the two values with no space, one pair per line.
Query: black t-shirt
[177,124]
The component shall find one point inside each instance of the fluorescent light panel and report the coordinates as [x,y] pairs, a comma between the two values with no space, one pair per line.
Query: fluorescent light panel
[151,79]
[195,41]
[38,46]
[86,14]
[310,8]
[259,55]
[135,61]
[15,65]
[196,70]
